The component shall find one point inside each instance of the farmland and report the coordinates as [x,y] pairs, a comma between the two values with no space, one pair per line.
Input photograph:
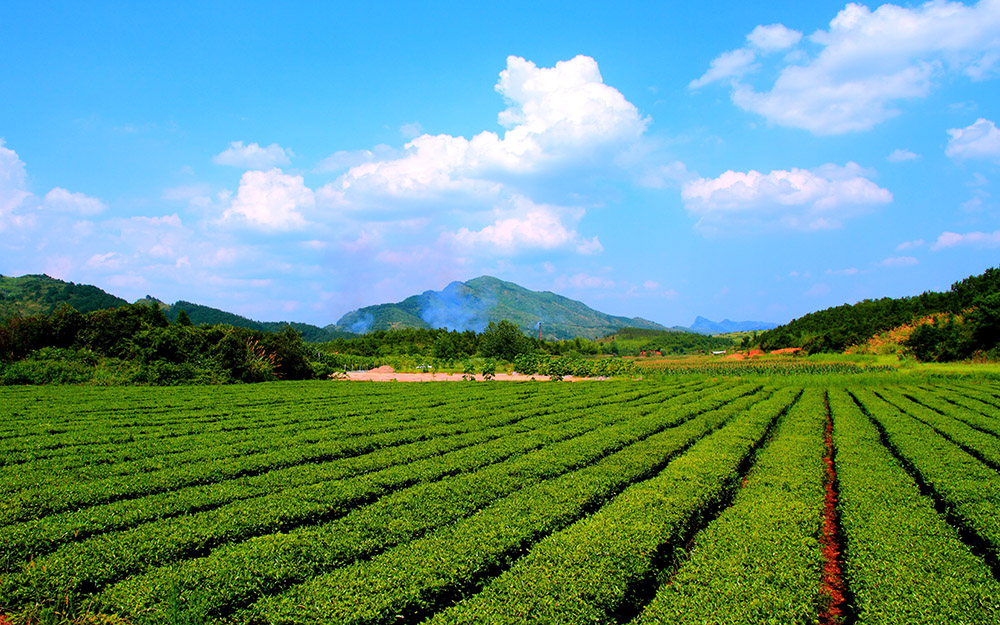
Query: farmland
[687,499]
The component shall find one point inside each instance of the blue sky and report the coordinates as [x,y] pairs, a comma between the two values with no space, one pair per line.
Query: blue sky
[660,160]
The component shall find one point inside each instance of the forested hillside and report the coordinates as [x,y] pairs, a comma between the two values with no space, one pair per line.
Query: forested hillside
[34,295]
[835,329]
[136,344]
[199,314]
[472,305]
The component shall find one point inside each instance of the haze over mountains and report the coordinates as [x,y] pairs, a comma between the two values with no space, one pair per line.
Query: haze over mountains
[462,306]
[472,305]
[707,326]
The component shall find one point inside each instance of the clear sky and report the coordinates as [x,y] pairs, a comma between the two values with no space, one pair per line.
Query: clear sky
[293,161]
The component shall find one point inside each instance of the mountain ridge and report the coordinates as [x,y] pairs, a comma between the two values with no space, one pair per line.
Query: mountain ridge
[471,305]
[707,326]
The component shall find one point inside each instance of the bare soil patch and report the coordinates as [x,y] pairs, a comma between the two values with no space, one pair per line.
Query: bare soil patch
[388,374]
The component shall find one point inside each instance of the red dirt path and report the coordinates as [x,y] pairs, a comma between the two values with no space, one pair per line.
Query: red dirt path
[833,578]
[388,374]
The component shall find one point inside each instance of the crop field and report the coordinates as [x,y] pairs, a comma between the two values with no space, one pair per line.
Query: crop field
[694,499]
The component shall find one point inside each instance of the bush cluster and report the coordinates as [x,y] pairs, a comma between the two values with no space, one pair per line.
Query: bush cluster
[136,344]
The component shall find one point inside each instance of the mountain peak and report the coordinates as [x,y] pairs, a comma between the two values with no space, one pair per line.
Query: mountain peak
[473,304]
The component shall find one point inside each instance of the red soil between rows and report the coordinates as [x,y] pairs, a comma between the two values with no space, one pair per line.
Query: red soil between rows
[833,588]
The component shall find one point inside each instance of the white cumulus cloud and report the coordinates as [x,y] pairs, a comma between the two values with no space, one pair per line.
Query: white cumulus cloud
[969,239]
[867,63]
[773,38]
[271,200]
[253,156]
[524,226]
[901,155]
[909,245]
[13,186]
[979,140]
[60,199]
[797,198]
[732,64]
[555,116]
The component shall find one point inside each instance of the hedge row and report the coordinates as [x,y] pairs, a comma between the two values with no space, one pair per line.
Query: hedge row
[593,570]
[760,561]
[904,563]
[968,488]
[233,577]
[984,446]
[966,409]
[92,563]
[354,421]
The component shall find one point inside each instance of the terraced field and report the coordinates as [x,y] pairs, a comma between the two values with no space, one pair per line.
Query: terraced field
[701,500]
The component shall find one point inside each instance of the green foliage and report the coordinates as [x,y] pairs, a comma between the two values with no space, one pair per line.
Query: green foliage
[893,530]
[472,305]
[468,371]
[41,295]
[503,340]
[590,571]
[489,369]
[765,544]
[135,344]
[835,329]
[445,348]
[316,502]
[634,341]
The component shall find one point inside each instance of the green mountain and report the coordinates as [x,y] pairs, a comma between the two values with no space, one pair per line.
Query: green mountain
[205,314]
[472,305]
[36,295]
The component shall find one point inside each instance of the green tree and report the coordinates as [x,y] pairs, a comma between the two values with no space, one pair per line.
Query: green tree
[503,340]
[445,349]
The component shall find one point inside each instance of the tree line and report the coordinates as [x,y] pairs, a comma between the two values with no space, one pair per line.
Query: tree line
[976,300]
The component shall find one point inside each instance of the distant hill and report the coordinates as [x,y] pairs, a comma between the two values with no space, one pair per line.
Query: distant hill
[41,294]
[707,326]
[472,305]
[635,341]
[33,295]
[834,329]
[205,314]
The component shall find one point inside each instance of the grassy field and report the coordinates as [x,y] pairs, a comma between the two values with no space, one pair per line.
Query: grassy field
[837,492]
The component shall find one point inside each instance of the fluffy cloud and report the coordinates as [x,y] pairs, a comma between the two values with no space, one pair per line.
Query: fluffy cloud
[13,182]
[980,140]
[271,200]
[797,198]
[342,160]
[526,226]
[900,155]
[584,281]
[60,199]
[909,245]
[773,38]
[899,261]
[555,117]
[735,63]
[867,63]
[253,156]
[732,64]
[19,207]
[969,239]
